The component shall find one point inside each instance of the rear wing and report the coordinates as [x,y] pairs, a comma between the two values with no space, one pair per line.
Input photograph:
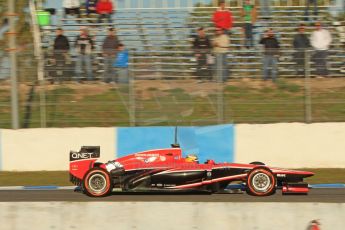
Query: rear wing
[85,152]
[81,162]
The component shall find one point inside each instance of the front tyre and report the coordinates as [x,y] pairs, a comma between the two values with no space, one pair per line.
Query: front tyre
[261,182]
[97,183]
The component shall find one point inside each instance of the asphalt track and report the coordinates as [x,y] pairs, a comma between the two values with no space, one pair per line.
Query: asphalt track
[315,195]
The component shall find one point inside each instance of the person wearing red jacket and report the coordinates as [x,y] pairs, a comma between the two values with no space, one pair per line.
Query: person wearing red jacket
[105,9]
[314,225]
[222,18]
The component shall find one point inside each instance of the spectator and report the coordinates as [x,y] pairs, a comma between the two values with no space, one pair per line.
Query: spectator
[309,2]
[61,48]
[265,8]
[314,225]
[121,64]
[104,9]
[248,12]
[301,43]
[90,6]
[221,45]
[321,40]
[109,52]
[222,18]
[271,52]
[202,47]
[71,7]
[84,47]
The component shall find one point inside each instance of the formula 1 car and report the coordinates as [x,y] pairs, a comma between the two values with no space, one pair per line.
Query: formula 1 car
[166,170]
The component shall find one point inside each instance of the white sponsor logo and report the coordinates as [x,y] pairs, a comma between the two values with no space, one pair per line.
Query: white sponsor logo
[113,165]
[281,175]
[169,185]
[110,167]
[150,159]
[162,158]
[81,155]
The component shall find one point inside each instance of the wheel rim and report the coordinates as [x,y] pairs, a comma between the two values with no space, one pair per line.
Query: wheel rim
[261,182]
[97,183]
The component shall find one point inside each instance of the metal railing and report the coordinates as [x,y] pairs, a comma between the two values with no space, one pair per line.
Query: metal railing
[199,94]
[163,4]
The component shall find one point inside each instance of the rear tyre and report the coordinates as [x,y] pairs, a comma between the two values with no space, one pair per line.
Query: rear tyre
[261,182]
[257,163]
[97,183]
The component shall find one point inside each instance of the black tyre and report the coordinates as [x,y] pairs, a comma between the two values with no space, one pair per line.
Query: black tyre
[261,182]
[257,163]
[97,183]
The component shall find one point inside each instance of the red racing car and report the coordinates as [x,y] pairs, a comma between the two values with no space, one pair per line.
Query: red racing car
[166,170]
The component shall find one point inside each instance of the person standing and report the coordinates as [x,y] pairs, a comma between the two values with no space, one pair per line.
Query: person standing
[248,12]
[222,18]
[90,6]
[71,7]
[221,45]
[301,43]
[104,9]
[321,40]
[84,46]
[61,49]
[271,52]
[121,64]
[202,47]
[109,48]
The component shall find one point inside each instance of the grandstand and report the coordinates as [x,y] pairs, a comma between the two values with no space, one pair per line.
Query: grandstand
[163,90]
[159,38]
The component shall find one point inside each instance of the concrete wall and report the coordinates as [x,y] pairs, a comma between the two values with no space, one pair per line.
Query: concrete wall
[292,145]
[48,149]
[168,215]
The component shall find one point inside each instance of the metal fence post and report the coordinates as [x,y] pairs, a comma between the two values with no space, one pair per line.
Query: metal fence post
[307,89]
[13,54]
[131,92]
[43,104]
[220,103]
[220,94]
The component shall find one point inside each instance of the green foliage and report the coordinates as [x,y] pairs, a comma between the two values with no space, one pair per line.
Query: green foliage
[244,102]
[290,87]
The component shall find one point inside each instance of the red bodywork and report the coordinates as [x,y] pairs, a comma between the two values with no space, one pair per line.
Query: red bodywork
[170,162]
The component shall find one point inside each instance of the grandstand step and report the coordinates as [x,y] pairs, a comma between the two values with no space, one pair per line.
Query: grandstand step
[160,40]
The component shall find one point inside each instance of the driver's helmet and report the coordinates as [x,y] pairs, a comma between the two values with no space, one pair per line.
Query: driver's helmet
[192,158]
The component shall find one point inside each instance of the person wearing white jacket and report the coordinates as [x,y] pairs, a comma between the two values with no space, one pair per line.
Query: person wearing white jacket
[71,7]
[321,40]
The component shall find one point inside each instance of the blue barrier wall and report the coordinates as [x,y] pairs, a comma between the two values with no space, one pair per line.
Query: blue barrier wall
[208,142]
